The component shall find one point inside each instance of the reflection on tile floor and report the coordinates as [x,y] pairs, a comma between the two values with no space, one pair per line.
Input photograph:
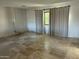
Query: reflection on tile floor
[32,46]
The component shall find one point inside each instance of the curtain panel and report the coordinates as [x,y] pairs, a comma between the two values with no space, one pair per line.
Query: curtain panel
[59,18]
[39,21]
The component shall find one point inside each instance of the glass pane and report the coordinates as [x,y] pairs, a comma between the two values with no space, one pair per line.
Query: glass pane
[46,18]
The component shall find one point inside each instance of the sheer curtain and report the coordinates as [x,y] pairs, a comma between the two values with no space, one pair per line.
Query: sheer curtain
[39,21]
[59,21]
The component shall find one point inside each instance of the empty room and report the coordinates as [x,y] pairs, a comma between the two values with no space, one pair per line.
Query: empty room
[39,29]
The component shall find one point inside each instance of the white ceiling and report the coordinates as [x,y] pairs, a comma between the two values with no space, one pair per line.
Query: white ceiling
[29,3]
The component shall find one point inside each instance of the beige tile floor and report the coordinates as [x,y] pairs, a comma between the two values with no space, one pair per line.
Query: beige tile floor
[32,46]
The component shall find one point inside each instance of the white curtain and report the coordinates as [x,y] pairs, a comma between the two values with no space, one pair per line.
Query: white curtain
[59,21]
[39,21]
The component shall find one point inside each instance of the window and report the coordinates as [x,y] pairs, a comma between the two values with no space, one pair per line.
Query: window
[46,17]
[46,23]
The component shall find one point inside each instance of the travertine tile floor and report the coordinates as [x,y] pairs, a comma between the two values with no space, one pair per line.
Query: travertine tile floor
[32,46]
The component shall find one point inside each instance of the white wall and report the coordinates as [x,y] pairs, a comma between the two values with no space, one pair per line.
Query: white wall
[74,20]
[31,25]
[9,19]
[7,16]
[20,19]
[4,23]
[17,19]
